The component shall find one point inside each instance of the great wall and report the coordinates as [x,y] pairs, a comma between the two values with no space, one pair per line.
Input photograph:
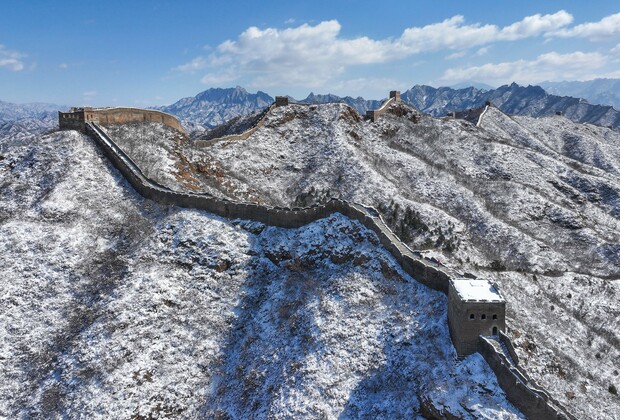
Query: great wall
[76,118]
[497,350]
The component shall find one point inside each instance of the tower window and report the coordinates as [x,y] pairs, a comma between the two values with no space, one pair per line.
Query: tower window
[471,316]
[494,316]
[483,316]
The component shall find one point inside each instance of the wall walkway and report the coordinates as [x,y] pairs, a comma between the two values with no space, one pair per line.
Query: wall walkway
[242,136]
[533,401]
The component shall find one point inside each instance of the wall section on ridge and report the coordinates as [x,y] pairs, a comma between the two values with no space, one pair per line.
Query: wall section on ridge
[79,117]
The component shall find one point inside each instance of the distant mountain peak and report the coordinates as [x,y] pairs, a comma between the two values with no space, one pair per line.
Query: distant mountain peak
[215,106]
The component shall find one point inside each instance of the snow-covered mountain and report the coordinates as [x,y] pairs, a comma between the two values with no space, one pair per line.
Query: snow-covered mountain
[597,91]
[13,112]
[27,120]
[512,99]
[116,307]
[533,203]
[216,106]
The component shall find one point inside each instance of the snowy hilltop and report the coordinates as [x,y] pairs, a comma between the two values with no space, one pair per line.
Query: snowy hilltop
[532,203]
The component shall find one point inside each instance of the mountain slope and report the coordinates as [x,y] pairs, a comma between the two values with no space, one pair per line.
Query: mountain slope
[113,306]
[532,203]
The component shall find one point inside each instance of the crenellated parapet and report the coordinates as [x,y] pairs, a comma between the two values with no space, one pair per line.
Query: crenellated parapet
[77,118]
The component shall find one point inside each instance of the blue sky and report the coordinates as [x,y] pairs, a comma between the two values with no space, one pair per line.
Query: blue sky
[142,53]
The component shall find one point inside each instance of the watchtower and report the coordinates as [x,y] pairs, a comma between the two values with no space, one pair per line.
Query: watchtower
[395,94]
[281,101]
[475,308]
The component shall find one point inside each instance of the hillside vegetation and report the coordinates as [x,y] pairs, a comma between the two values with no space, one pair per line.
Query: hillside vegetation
[115,307]
[531,203]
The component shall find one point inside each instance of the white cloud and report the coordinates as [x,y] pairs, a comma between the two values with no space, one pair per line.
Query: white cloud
[535,25]
[615,50]
[11,60]
[482,51]
[63,66]
[193,66]
[456,55]
[313,55]
[550,66]
[608,27]
[454,34]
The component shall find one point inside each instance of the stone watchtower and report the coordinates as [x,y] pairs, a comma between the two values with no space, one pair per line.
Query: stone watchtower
[281,101]
[475,308]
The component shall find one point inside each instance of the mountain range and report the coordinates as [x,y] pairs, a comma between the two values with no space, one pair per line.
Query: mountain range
[215,106]
[597,91]
[27,120]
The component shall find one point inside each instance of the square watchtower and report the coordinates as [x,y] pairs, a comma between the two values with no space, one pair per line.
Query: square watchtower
[281,101]
[475,307]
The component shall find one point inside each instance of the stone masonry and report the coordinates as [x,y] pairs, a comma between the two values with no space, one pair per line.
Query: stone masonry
[475,308]
[77,118]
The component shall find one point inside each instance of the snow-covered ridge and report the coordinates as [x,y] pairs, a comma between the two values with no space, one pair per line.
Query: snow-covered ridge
[425,271]
[524,396]
[116,307]
[539,195]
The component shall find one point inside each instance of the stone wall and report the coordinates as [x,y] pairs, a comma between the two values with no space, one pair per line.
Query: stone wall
[374,114]
[128,115]
[78,119]
[423,270]
[243,136]
[531,400]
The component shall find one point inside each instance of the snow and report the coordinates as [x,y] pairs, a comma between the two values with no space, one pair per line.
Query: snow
[531,204]
[114,307]
[483,290]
